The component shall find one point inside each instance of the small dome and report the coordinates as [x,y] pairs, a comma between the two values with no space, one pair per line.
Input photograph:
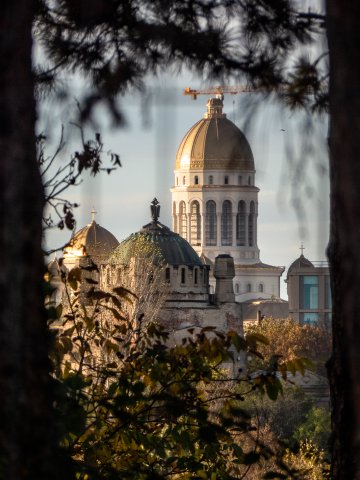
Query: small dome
[215,142]
[300,262]
[159,241]
[92,240]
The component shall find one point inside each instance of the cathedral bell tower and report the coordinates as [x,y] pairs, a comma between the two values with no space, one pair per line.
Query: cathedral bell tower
[215,201]
[215,198]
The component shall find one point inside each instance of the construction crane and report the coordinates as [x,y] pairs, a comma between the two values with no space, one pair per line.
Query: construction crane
[219,90]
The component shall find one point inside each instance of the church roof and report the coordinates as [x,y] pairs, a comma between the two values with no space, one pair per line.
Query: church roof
[215,142]
[92,240]
[300,262]
[159,241]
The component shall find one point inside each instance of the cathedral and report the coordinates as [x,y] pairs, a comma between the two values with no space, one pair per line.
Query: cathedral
[215,202]
[210,260]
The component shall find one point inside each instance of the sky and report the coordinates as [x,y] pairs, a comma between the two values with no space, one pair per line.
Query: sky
[289,151]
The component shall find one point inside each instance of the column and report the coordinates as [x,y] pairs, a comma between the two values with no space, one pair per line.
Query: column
[202,229]
[234,229]
[218,229]
[188,233]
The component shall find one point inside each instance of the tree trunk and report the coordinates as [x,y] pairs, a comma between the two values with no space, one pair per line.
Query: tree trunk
[344,367]
[26,436]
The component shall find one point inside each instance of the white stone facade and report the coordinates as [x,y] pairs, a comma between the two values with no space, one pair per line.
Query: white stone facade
[215,202]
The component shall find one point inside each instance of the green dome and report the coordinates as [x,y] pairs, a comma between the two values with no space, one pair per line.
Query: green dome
[159,241]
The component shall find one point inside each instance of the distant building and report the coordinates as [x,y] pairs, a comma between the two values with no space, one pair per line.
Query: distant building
[215,202]
[308,286]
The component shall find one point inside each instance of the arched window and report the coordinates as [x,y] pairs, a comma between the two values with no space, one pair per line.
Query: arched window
[195,276]
[237,288]
[182,220]
[177,180]
[239,180]
[248,287]
[226,223]
[249,181]
[261,287]
[195,223]
[241,224]
[251,229]
[183,275]
[196,180]
[184,180]
[210,223]
[226,180]
[211,179]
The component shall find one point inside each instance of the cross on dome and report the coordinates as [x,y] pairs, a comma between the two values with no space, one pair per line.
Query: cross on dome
[302,248]
[155,210]
[93,213]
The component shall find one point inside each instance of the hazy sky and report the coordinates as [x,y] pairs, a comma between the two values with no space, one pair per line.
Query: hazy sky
[290,160]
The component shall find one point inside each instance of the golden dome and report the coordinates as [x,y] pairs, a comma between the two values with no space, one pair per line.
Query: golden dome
[92,240]
[215,142]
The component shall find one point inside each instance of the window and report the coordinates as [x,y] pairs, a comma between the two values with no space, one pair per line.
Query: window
[249,181]
[182,220]
[177,180]
[210,223]
[196,276]
[251,227]
[309,318]
[226,180]
[236,288]
[195,224]
[309,291]
[226,223]
[211,179]
[241,224]
[183,275]
[167,274]
[248,287]
[184,180]
[239,180]
[196,180]
[261,287]
[328,300]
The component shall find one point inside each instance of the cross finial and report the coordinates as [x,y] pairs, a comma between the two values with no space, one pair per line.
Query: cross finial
[302,248]
[93,213]
[155,209]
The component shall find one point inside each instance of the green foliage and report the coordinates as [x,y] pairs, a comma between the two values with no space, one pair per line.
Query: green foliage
[316,427]
[134,405]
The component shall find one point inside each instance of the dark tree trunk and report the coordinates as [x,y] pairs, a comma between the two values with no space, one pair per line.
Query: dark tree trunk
[344,254]
[26,437]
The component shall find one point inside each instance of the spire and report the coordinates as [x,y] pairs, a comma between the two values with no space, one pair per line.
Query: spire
[155,210]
